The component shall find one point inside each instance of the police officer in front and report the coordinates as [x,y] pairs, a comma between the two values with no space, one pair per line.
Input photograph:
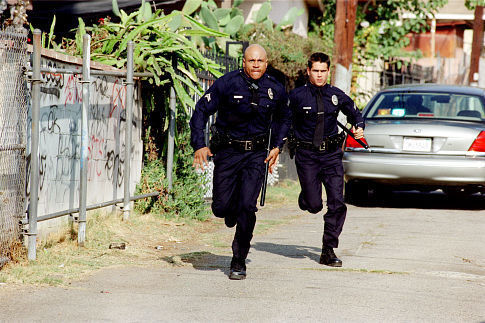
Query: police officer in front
[318,149]
[248,102]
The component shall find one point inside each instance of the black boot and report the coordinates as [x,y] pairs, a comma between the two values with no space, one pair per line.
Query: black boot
[329,258]
[238,269]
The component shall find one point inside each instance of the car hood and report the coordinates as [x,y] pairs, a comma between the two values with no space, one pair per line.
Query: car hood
[421,136]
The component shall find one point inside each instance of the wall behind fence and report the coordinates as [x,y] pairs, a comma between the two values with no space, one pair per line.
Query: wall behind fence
[60,143]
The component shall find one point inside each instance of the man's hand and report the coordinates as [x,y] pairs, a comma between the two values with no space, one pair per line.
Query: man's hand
[272,158]
[358,133]
[200,157]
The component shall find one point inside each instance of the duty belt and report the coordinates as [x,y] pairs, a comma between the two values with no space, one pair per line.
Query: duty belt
[331,143]
[257,143]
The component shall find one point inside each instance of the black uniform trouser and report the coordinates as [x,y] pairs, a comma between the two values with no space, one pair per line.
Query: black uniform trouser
[315,168]
[238,177]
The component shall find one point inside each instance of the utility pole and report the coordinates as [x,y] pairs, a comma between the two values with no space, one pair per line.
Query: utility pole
[344,43]
[477,45]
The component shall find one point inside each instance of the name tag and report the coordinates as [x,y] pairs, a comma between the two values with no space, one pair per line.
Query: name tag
[307,108]
[238,97]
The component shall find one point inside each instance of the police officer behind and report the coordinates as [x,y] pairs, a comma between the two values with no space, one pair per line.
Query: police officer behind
[318,154]
[247,102]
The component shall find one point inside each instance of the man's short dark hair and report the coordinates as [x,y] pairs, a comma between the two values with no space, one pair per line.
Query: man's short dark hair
[318,57]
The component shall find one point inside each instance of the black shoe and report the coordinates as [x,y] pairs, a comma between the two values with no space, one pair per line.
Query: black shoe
[238,269]
[329,258]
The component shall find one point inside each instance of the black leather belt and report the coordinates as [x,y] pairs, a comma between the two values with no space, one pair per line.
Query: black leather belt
[258,143]
[309,146]
[331,143]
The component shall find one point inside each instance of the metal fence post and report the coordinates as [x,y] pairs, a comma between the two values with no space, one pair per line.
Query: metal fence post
[81,235]
[129,120]
[171,132]
[171,139]
[34,150]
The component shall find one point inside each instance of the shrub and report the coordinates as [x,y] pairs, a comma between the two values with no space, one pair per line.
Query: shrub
[186,199]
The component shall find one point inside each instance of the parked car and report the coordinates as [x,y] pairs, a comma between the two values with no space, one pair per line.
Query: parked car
[422,137]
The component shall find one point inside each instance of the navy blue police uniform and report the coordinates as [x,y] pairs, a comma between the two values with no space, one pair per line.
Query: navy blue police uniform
[245,109]
[322,164]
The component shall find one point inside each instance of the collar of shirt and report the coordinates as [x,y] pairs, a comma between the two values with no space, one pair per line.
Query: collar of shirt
[313,88]
[248,79]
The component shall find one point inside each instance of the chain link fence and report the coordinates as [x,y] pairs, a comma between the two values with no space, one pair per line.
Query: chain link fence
[13,116]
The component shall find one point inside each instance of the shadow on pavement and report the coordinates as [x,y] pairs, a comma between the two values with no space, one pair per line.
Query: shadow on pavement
[203,260]
[290,251]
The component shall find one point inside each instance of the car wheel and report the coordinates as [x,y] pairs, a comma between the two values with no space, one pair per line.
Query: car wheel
[356,192]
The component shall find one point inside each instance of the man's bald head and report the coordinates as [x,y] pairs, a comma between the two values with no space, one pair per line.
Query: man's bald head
[255,61]
[255,47]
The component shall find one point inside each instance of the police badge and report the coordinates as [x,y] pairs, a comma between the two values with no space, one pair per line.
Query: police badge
[270,93]
[334,99]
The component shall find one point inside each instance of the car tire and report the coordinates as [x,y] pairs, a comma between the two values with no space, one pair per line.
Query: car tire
[356,192]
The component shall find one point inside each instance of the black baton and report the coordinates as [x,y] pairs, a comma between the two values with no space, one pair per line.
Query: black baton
[265,181]
[347,131]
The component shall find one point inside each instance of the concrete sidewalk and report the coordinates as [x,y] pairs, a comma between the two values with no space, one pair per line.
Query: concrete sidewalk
[402,265]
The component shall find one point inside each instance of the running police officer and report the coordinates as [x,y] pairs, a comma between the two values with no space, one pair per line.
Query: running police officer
[248,102]
[318,153]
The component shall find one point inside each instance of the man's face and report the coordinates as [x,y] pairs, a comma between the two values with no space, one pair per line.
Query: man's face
[318,74]
[255,62]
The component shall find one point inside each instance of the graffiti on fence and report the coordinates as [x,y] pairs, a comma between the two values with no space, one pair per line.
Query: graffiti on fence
[60,137]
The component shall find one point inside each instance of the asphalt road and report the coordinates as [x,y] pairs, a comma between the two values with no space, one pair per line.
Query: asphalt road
[416,257]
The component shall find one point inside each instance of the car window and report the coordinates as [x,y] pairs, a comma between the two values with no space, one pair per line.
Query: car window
[427,105]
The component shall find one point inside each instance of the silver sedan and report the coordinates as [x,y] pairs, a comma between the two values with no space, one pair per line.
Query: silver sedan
[421,137]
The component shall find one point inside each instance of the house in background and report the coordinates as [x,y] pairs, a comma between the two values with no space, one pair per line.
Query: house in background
[447,45]
[446,50]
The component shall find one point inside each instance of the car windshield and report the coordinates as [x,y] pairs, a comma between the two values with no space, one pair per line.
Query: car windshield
[427,105]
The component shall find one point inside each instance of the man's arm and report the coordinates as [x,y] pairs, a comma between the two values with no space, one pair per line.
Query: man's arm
[205,107]
[281,126]
[354,116]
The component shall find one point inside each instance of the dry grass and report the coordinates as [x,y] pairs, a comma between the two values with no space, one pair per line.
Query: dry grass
[149,239]
[284,193]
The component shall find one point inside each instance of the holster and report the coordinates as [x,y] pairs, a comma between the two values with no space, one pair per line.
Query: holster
[291,144]
[329,144]
[218,140]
